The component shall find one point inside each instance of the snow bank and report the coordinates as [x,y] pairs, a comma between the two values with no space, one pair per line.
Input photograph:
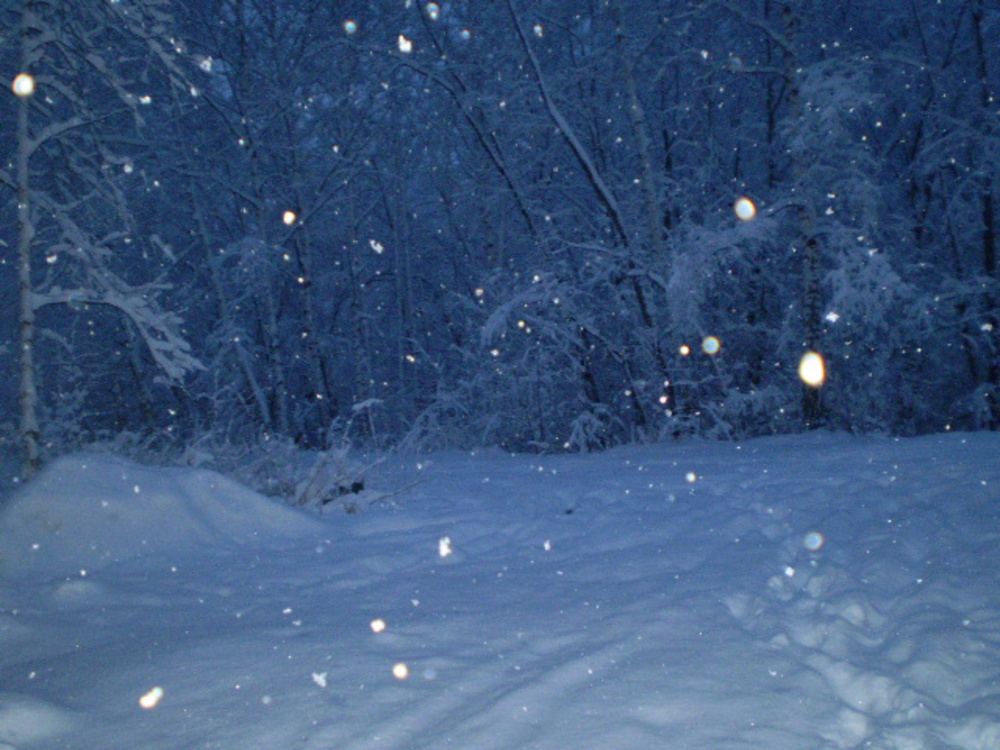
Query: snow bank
[26,721]
[811,592]
[88,511]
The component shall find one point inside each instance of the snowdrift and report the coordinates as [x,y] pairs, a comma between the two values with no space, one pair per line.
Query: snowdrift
[811,592]
[88,511]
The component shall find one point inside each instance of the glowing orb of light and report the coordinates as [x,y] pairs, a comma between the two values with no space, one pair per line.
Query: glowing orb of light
[812,369]
[745,209]
[24,85]
[152,698]
[813,541]
[711,345]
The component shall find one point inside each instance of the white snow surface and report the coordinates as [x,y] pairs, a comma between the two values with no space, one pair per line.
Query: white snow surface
[588,602]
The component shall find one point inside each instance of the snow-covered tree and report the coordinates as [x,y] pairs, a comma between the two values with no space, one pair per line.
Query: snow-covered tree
[88,72]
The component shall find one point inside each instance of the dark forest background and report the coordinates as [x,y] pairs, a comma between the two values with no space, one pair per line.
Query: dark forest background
[497,222]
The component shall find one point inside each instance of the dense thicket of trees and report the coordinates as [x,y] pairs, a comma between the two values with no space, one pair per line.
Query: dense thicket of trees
[504,222]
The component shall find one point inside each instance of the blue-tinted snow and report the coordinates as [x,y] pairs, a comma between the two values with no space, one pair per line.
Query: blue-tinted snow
[596,602]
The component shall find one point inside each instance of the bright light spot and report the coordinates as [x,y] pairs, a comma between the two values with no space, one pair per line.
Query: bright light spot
[289,218]
[378,625]
[433,11]
[684,350]
[444,546]
[494,352]
[319,678]
[405,45]
[832,317]
[206,64]
[377,246]
[350,27]
[710,345]
[812,369]
[789,571]
[145,99]
[479,292]
[691,477]
[745,209]
[24,85]
[466,34]
[128,168]
[547,545]
[152,698]
[411,359]
[813,541]
[539,30]
[401,671]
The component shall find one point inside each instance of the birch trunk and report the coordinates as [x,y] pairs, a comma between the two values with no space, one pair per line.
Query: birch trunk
[27,391]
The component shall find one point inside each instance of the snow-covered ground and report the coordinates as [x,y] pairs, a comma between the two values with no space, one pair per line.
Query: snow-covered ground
[796,593]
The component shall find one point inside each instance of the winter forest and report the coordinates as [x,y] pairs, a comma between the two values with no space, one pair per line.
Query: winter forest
[549,225]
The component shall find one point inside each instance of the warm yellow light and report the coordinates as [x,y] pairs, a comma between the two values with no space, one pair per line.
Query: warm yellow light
[812,369]
[24,85]
[152,698]
[745,209]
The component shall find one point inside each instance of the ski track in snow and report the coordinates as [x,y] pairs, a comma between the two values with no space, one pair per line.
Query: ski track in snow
[595,602]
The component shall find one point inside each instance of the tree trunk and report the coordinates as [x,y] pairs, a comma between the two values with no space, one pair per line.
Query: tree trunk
[812,402]
[27,392]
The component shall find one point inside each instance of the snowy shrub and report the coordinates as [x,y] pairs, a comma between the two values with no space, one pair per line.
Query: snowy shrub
[334,477]
[277,467]
[979,409]
[866,348]
[593,429]
[766,411]
[443,423]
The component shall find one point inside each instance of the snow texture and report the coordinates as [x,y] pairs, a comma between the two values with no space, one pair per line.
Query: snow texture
[813,592]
